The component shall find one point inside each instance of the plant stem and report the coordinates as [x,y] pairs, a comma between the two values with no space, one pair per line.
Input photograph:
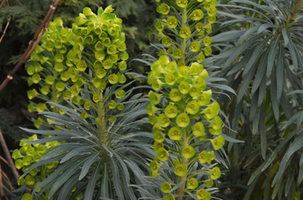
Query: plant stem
[101,116]
[8,156]
[180,191]
[183,40]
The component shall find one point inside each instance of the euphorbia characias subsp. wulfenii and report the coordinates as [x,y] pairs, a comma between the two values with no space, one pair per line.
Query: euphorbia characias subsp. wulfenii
[182,109]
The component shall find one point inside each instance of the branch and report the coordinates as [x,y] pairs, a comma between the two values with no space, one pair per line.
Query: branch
[32,44]
[2,4]
[8,156]
[8,21]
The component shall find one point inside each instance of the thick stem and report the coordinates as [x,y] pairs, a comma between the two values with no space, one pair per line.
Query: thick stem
[181,190]
[101,116]
[8,156]
[183,40]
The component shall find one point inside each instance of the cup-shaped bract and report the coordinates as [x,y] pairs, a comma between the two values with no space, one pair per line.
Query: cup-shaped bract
[171,111]
[169,197]
[203,194]
[158,136]
[197,15]
[192,107]
[163,120]
[182,3]
[207,41]
[162,154]
[175,95]
[185,32]
[151,109]
[120,94]
[157,146]
[167,41]
[165,187]
[209,183]
[198,129]
[188,152]
[178,53]
[172,22]
[182,120]
[212,110]
[215,173]
[175,133]
[192,184]
[205,98]
[180,170]
[163,9]
[154,97]
[184,87]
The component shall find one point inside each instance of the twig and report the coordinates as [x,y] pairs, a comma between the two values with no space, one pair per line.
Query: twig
[2,4]
[32,44]
[8,21]
[8,156]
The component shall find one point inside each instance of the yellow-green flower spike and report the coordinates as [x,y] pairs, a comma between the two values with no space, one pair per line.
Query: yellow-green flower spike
[96,97]
[212,110]
[192,107]
[195,90]
[162,154]
[207,28]
[169,197]
[33,172]
[172,22]
[84,115]
[113,79]
[20,181]
[207,50]
[215,173]
[175,133]
[192,184]
[203,194]
[218,142]
[152,119]
[171,111]
[165,187]
[212,20]
[182,120]
[200,58]
[180,170]
[29,180]
[175,95]
[188,152]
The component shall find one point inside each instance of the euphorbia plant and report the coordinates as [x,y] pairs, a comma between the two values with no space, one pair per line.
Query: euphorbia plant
[186,126]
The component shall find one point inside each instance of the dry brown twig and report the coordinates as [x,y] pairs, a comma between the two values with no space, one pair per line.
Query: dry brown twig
[32,44]
[9,18]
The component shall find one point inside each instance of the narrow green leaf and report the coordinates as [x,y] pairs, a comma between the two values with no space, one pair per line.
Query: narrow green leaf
[251,188]
[246,83]
[263,27]
[272,55]
[68,187]
[89,192]
[230,139]
[73,169]
[277,188]
[300,176]
[226,36]
[256,55]
[260,75]
[267,185]
[75,152]
[262,130]
[256,122]
[293,54]
[273,96]
[262,90]
[92,159]
[289,181]
[285,36]
[296,145]
[240,49]
[116,179]
[239,65]
[280,72]
[247,33]
[104,183]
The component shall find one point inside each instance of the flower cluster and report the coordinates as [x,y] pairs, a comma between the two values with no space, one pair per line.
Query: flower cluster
[29,154]
[181,108]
